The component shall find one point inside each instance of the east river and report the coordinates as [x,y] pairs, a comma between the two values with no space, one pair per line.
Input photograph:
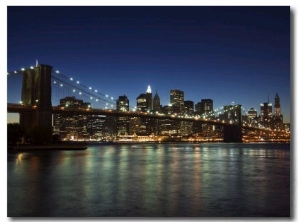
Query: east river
[152,180]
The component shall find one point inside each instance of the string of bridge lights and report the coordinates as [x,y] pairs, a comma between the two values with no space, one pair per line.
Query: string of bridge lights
[93,93]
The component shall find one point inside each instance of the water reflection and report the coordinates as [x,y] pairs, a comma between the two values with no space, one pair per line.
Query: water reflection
[151,180]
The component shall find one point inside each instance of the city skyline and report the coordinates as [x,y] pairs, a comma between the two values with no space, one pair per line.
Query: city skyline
[216,53]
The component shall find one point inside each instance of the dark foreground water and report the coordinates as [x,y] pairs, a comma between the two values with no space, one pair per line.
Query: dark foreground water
[152,180]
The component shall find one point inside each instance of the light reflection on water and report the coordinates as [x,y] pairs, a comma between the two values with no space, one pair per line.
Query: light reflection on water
[152,180]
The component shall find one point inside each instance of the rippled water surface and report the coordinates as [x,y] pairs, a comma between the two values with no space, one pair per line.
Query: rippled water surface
[152,180]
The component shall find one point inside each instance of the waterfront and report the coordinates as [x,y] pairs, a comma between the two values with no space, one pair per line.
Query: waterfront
[152,180]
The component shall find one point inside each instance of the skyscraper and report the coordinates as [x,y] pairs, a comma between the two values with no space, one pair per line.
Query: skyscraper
[149,99]
[266,114]
[252,117]
[277,118]
[207,106]
[177,99]
[189,107]
[141,102]
[72,126]
[198,108]
[156,103]
[122,104]
[277,111]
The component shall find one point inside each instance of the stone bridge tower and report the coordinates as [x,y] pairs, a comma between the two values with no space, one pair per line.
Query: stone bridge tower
[36,93]
[233,133]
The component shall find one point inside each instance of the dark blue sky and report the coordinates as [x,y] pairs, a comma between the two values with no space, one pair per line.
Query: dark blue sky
[227,54]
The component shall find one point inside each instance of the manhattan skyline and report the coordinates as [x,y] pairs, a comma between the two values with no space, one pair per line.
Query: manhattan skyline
[227,54]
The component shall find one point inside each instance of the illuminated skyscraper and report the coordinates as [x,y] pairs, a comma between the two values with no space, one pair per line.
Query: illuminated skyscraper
[207,106]
[189,107]
[122,121]
[149,99]
[252,117]
[177,99]
[122,103]
[266,114]
[141,102]
[277,118]
[72,126]
[277,106]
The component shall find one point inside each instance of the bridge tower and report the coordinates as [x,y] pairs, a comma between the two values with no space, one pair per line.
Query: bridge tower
[233,133]
[36,93]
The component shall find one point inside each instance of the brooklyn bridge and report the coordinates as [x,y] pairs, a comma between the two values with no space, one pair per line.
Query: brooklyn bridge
[41,82]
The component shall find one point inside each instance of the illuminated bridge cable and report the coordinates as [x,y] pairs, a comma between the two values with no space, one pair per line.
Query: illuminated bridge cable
[82,92]
[57,73]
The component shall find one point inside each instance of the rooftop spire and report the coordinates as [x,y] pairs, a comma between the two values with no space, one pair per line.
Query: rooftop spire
[149,89]
[36,62]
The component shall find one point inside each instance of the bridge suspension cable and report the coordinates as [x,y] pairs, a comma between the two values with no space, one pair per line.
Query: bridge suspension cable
[80,91]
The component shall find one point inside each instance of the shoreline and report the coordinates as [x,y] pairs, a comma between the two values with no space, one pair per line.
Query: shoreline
[48,147]
[83,145]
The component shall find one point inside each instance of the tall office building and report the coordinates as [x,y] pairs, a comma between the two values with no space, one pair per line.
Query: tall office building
[72,126]
[177,99]
[122,104]
[207,106]
[95,126]
[277,118]
[141,102]
[277,111]
[142,125]
[206,109]
[252,117]
[156,103]
[266,114]
[144,101]
[149,102]
[189,107]
[198,108]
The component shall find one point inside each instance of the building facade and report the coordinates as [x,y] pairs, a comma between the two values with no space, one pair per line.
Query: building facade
[266,115]
[72,126]
[156,103]
[177,99]
[122,122]
[278,117]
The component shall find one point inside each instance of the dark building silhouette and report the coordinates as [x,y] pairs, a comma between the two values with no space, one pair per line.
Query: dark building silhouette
[36,93]
[189,107]
[198,108]
[277,118]
[156,103]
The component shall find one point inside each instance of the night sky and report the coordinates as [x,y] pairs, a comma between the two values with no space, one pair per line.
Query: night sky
[227,54]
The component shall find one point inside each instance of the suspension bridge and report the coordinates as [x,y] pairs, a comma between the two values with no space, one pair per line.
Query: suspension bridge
[34,92]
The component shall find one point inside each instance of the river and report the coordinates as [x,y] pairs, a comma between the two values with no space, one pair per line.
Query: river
[151,180]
